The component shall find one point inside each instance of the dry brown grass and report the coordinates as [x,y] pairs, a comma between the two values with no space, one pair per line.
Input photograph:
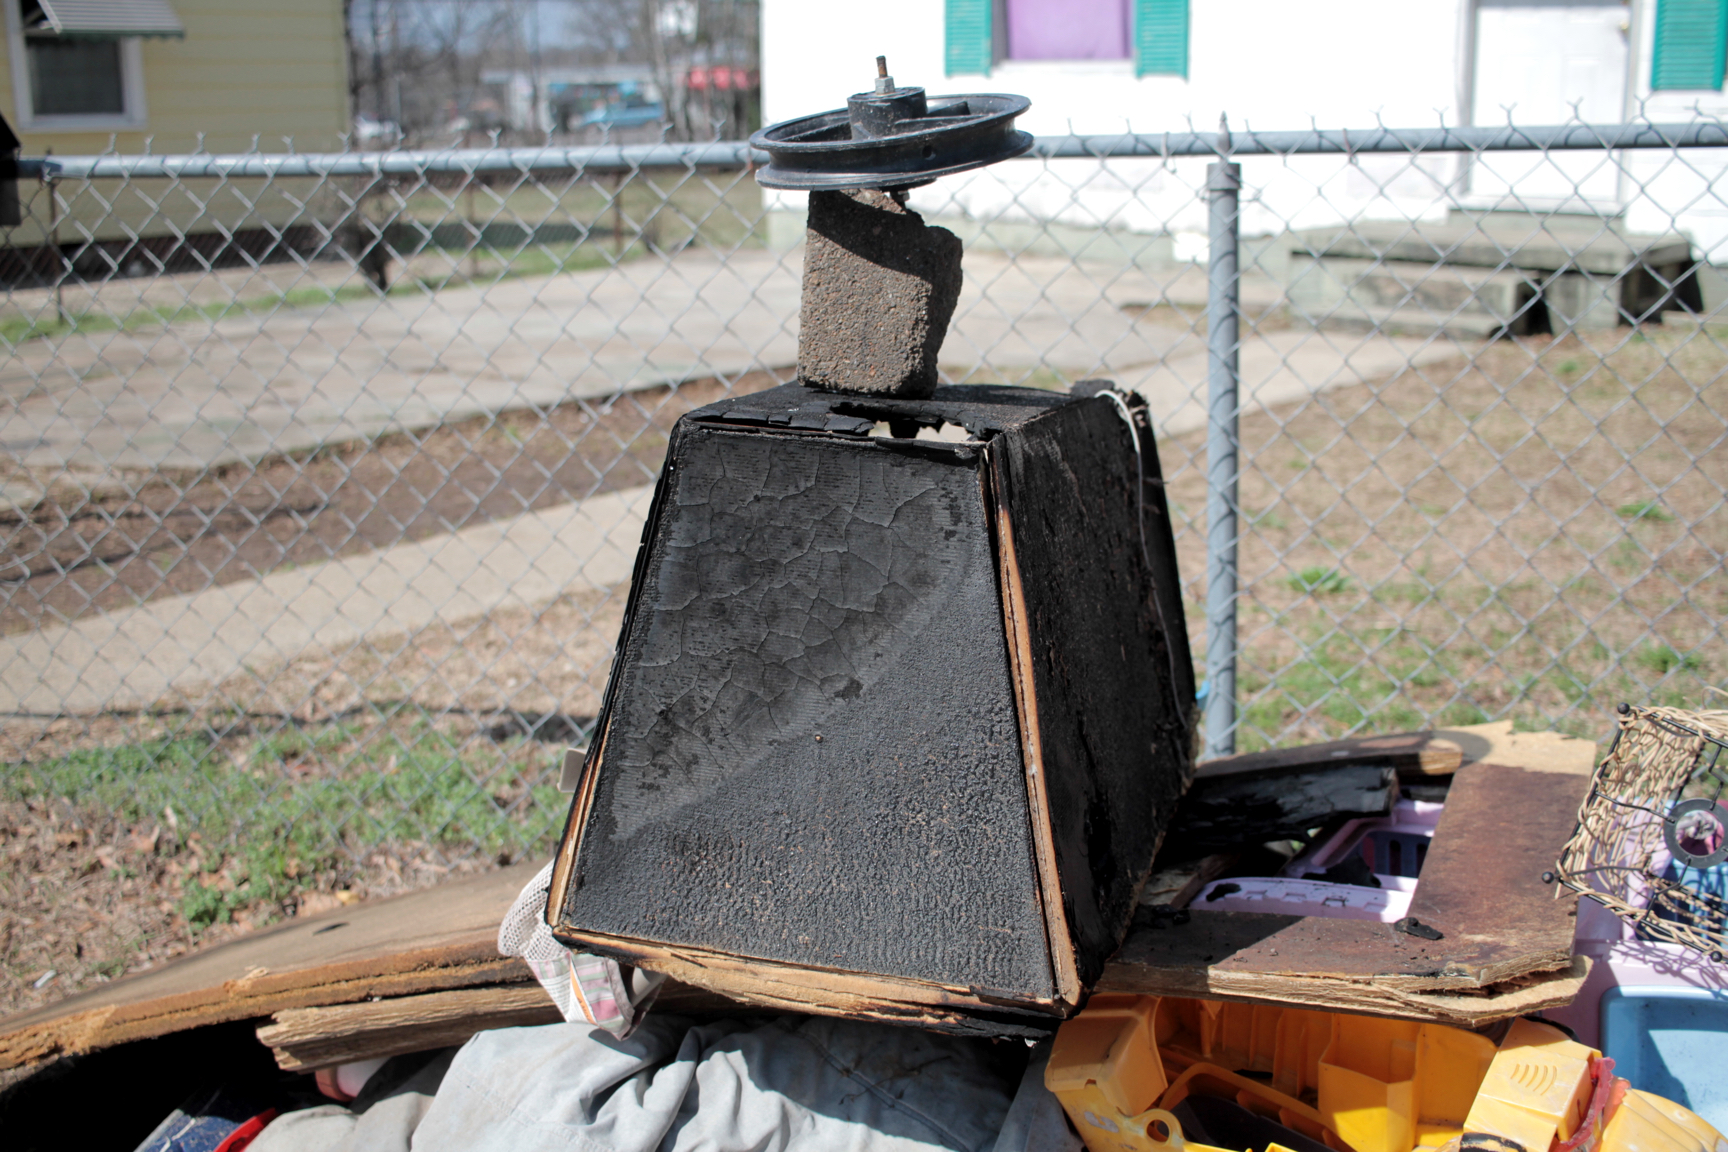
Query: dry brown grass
[1537,532]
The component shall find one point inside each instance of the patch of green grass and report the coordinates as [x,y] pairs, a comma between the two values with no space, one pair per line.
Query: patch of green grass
[1403,592]
[1316,580]
[16,329]
[1626,557]
[491,266]
[1661,659]
[1460,714]
[1270,518]
[1340,684]
[204,904]
[281,809]
[1645,510]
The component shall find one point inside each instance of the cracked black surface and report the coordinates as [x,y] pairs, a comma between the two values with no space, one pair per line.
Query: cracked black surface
[812,753]
[1115,688]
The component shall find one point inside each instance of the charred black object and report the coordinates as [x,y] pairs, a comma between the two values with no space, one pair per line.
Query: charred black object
[891,137]
[901,707]
[879,285]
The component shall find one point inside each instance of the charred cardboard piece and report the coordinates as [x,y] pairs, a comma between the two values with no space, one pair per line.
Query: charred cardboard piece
[896,723]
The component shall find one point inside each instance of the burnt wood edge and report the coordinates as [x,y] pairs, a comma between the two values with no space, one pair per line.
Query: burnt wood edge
[1415,756]
[576,822]
[1164,592]
[576,825]
[1163,587]
[1058,935]
[1023,668]
[827,991]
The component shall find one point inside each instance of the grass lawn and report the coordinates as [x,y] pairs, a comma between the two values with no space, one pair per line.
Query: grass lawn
[1537,533]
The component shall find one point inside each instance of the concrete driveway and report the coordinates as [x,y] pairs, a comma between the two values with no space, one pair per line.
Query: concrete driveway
[193,395]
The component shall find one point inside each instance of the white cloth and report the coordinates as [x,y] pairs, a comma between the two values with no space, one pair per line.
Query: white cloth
[795,1084]
[790,1084]
[587,989]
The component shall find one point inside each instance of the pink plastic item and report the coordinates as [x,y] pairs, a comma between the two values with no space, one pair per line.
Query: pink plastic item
[1620,959]
[1289,897]
[1392,845]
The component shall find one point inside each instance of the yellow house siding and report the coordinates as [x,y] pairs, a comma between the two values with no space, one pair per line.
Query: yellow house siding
[245,67]
[247,70]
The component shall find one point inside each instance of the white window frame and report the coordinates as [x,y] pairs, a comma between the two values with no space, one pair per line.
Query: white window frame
[131,87]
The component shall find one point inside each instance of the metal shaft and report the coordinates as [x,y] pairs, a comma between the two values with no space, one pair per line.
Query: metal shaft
[1223,183]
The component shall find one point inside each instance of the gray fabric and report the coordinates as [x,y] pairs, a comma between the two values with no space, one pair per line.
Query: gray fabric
[382,1118]
[1035,1121]
[792,1084]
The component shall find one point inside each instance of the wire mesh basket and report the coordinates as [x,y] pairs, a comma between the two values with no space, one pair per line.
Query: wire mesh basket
[1652,837]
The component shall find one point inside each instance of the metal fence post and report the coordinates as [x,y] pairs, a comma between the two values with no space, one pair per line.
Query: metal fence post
[1223,182]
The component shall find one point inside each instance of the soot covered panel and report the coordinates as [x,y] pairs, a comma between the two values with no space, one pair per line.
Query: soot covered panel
[810,750]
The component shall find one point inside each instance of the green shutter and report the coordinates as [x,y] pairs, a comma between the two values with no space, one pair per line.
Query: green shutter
[1161,38]
[968,30]
[1690,38]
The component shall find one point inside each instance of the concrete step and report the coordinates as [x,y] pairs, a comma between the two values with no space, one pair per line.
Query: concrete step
[1476,301]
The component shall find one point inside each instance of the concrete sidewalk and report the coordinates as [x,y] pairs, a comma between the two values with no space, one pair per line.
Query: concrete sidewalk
[197,394]
[191,396]
[133,657]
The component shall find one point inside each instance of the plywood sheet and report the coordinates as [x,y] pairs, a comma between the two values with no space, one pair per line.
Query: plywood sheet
[436,939]
[1481,888]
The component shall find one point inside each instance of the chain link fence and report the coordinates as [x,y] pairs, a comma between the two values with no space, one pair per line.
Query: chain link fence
[323,475]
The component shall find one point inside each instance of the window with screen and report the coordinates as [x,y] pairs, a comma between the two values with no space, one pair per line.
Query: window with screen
[1067,30]
[1151,33]
[75,77]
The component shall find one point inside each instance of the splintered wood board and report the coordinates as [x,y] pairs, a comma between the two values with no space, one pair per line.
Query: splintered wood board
[304,1038]
[1504,929]
[1419,754]
[322,1037]
[436,939]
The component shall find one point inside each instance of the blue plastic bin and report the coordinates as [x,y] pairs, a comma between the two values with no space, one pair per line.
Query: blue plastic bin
[1673,1042]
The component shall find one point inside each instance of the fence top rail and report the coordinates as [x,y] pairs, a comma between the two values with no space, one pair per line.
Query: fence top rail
[733,154]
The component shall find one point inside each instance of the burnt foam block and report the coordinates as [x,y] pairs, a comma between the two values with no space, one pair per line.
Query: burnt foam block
[879,289]
[895,724]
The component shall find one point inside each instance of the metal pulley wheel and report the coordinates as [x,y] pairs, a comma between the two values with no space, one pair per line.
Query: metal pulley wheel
[891,137]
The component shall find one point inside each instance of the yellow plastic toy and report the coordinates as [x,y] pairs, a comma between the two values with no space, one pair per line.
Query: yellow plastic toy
[1377,1085]
[1263,1099]
[1105,1068]
[1647,1123]
[1537,1090]
[1392,1085]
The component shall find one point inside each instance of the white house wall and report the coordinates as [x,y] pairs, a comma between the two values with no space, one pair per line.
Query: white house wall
[1690,188]
[1268,64]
